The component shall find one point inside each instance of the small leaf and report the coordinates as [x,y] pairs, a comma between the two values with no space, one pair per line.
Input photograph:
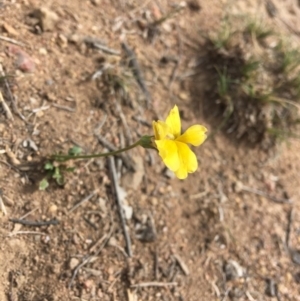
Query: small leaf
[74,151]
[49,166]
[60,180]
[56,173]
[43,184]
[58,176]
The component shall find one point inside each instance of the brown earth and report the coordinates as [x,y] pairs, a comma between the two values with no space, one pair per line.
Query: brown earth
[223,233]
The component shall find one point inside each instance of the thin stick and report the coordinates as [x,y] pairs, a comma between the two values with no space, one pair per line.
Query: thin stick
[28,213]
[12,41]
[33,223]
[124,121]
[261,193]
[142,121]
[156,265]
[6,108]
[112,168]
[26,232]
[65,108]
[154,284]
[12,98]
[100,125]
[178,61]
[289,228]
[136,70]
[2,206]
[106,49]
[83,201]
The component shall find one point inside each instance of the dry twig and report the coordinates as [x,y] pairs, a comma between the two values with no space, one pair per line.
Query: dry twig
[2,206]
[289,228]
[263,194]
[65,108]
[34,223]
[26,232]
[6,107]
[154,284]
[124,121]
[12,98]
[120,205]
[83,201]
[12,41]
[134,65]
[106,49]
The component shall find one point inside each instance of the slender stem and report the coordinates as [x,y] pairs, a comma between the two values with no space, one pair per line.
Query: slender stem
[70,157]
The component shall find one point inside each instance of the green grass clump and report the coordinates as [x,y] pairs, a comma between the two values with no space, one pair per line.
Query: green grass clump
[258,86]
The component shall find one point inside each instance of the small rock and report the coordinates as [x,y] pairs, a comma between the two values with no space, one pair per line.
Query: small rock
[28,143]
[238,186]
[43,51]
[154,201]
[2,127]
[169,174]
[295,255]
[73,263]
[128,211]
[52,208]
[39,114]
[24,62]
[183,96]
[47,18]
[10,30]
[51,97]
[233,270]
[62,41]
[146,231]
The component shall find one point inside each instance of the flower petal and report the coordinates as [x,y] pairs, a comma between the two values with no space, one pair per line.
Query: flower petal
[188,161]
[168,151]
[173,121]
[160,129]
[194,135]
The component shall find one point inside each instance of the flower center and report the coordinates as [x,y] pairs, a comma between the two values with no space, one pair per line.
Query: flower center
[170,136]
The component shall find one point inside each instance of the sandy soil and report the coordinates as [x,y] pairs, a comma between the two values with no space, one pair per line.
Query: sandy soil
[226,232]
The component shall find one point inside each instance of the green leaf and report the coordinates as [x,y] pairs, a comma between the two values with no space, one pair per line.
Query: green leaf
[74,151]
[43,184]
[60,180]
[49,166]
[58,176]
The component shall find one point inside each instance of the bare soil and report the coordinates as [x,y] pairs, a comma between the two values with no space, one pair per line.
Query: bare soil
[229,231]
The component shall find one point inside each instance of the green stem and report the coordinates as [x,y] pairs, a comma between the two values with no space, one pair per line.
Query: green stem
[70,157]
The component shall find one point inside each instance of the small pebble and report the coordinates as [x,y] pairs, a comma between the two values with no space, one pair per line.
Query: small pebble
[73,263]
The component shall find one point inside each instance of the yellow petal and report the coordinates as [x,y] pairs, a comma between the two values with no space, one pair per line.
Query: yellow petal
[160,129]
[188,161]
[168,151]
[194,135]
[173,122]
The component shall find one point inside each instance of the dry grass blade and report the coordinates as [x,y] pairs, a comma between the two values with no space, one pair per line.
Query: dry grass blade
[6,108]
[12,41]
[120,205]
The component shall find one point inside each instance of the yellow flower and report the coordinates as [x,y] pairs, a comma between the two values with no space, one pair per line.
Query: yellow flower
[173,147]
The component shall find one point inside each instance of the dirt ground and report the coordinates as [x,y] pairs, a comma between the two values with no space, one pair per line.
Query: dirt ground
[230,231]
